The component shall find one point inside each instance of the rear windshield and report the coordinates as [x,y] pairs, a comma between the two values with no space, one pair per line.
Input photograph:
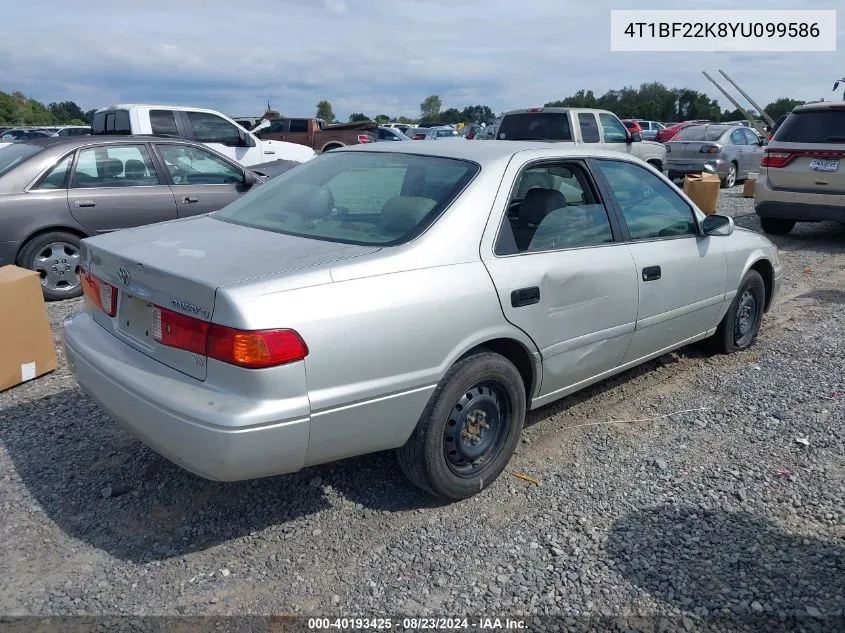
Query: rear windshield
[700,133]
[825,126]
[16,153]
[111,122]
[535,126]
[367,198]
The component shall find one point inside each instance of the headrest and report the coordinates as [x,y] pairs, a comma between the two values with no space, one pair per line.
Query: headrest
[539,203]
[134,168]
[109,167]
[401,214]
[310,201]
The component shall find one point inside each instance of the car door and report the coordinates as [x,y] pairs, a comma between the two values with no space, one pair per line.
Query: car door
[224,137]
[739,151]
[682,274]
[118,186]
[614,133]
[755,151]
[201,182]
[562,272]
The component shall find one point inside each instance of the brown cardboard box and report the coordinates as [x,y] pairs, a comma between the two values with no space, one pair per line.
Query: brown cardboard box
[27,349]
[704,190]
[748,188]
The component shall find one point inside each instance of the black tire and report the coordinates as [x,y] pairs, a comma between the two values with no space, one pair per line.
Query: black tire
[731,178]
[58,277]
[443,438]
[777,226]
[739,328]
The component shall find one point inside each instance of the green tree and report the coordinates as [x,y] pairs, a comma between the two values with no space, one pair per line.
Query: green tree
[405,120]
[89,116]
[477,114]
[65,111]
[782,106]
[325,111]
[358,116]
[382,118]
[430,109]
[450,116]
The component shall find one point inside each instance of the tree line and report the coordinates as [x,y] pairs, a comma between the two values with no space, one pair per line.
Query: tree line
[18,109]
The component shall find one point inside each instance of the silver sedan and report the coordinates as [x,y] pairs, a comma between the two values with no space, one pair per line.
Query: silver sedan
[733,151]
[418,298]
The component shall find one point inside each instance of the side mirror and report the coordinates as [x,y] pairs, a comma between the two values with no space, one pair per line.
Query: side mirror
[250,178]
[717,225]
[245,140]
[763,142]
[635,137]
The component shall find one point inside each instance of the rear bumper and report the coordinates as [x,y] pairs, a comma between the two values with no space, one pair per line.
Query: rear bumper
[803,207]
[170,411]
[680,168]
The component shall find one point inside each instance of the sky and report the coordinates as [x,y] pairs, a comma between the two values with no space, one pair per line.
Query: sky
[371,56]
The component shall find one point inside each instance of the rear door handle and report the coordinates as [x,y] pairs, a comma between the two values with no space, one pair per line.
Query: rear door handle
[525,297]
[187,200]
[84,203]
[650,273]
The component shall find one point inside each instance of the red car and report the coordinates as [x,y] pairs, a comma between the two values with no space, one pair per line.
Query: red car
[633,126]
[669,132]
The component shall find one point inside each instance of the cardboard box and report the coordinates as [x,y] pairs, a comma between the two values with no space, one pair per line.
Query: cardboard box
[703,189]
[27,349]
[748,188]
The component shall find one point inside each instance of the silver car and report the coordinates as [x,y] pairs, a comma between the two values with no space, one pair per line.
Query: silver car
[417,297]
[733,151]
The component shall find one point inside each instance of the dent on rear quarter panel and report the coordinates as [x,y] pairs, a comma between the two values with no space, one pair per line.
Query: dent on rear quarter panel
[378,347]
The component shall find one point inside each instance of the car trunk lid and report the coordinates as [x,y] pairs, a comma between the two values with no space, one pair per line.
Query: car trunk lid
[178,266]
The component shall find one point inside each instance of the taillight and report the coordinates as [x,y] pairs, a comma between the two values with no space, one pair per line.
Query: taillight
[101,294]
[253,349]
[179,330]
[777,159]
[710,149]
[363,138]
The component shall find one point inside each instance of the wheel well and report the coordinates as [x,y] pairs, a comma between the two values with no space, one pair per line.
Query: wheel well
[516,353]
[329,146]
[658,164]
[766,271]
[51,229]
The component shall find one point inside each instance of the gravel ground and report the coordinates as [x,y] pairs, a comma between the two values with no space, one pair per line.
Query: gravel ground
[732,511]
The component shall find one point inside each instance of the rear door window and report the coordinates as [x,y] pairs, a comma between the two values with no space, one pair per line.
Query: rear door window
[56,178]
[738,137]
[821,126]
[298,125]
[194,166]
[163,123]
[589,127]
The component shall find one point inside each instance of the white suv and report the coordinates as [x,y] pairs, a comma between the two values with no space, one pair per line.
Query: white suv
[201,125]
[802,174]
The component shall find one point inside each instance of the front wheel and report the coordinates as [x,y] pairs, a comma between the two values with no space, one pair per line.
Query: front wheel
[777,226]
[739,328]
[469,429]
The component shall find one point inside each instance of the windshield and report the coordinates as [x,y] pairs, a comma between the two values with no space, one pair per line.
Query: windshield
[814,126]
[366,198]
[535,126]
[448,132]
[16,153]
[700,133]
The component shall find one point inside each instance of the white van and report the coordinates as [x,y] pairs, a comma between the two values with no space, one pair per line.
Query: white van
[197,124]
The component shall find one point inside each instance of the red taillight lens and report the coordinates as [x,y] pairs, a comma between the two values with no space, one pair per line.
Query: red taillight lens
[710,149]
[255,349]
[179,330]
[101,294]
[363,138]
[777,159]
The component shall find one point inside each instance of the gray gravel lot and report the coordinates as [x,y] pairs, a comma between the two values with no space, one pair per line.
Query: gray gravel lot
[734,508]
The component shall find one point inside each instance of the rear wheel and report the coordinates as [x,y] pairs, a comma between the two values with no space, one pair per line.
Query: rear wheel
[469,429]
[730,179]
[741,325]
[777,226]
[54,256]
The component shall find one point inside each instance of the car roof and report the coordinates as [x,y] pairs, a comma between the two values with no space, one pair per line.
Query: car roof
[821,106]
[102,139]
[488,151]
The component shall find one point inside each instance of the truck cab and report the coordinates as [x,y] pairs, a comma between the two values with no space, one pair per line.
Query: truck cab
[197,124]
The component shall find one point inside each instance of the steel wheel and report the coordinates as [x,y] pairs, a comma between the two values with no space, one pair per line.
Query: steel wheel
[747,318]
[56,263]
[477,429]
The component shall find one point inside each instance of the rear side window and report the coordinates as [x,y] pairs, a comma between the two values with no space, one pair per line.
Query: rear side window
[700,133]
[589,127]
[56,178]
[823,126]
[535,126]
[163,123]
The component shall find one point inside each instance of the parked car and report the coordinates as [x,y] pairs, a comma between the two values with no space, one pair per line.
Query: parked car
[56,191]
[579,126]
[802,176]
[22,135]
[649,129]
[732,150]
[402,127]
[209,127]
[391,134]
[73,130]
[669,132]
[471,130]
[316,133]
[361,267]
[633,126]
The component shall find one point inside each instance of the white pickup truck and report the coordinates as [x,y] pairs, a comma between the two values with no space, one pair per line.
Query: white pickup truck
[198,124]
[580,126]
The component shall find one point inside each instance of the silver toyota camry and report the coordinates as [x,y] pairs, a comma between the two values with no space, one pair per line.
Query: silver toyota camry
[418,298]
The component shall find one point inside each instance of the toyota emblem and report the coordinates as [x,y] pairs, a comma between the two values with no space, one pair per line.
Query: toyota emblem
[123,275]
